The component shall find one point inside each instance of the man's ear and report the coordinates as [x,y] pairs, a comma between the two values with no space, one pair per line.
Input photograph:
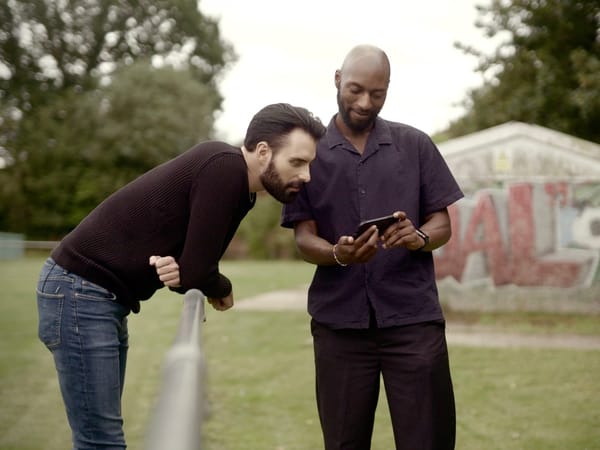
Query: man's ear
[337,79]
[263,153]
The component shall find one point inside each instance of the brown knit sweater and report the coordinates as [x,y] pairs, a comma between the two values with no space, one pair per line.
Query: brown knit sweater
[188,207]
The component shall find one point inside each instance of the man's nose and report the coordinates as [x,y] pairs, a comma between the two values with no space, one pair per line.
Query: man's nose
[305,175]
[364,101]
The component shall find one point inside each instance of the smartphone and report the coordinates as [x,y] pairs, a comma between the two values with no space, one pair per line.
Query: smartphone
[381,222]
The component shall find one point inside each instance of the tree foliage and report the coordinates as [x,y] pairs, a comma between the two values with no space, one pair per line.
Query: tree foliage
[85,145]
[545,70]
[262,234]
[48,46]
[82,110]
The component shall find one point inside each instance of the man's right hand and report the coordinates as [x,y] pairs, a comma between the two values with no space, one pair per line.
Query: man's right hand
[350,250]
[221,304]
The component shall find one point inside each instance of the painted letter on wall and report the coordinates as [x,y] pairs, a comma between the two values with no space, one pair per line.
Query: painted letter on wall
[528,234]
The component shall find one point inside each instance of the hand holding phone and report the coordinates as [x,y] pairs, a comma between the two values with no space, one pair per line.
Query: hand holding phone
[382,224]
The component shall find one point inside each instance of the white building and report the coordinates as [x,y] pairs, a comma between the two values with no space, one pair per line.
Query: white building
[517,151]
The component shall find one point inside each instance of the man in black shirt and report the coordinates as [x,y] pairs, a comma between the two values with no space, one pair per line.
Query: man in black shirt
[189,208]
[373,299]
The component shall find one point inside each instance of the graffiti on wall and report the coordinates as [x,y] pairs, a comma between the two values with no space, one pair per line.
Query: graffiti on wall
[526,234]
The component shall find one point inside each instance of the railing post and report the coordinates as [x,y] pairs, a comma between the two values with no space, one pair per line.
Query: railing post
[177,420]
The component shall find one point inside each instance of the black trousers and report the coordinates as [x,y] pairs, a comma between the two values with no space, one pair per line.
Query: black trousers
[413,362]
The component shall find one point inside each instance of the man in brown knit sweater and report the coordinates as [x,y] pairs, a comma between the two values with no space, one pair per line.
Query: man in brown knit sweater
[189,208]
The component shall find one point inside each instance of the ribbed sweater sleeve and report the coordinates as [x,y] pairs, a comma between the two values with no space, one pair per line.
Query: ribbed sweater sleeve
[215,201]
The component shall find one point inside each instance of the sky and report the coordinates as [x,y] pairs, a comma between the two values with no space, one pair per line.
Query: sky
[288,51]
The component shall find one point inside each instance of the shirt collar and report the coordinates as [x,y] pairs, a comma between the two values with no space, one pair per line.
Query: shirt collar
[380,134]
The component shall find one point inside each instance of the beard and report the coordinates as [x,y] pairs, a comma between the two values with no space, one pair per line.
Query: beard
[357,126]
[275,186]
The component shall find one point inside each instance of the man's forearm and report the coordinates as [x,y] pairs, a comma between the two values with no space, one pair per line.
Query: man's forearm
[438,228]
[316,250]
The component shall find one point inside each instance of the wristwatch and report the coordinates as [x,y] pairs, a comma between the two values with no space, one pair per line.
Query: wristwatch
[423,236]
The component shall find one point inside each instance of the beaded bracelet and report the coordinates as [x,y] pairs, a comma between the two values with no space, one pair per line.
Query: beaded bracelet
[336,258]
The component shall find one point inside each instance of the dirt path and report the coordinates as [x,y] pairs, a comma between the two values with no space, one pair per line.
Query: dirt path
[457,334]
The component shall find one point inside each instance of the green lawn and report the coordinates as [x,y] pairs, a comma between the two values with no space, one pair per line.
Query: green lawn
[260,375]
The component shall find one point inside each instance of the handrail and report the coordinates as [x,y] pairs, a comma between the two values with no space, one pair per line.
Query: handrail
[178,414]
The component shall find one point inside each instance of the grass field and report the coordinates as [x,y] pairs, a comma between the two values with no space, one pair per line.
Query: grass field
[260,375]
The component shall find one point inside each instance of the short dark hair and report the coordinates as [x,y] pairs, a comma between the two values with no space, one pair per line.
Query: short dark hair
[275,122]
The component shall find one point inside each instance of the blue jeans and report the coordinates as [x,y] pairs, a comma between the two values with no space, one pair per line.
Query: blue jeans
[85,328]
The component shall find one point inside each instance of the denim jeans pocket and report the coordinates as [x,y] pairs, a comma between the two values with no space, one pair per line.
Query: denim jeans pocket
[92,291]
[50,308]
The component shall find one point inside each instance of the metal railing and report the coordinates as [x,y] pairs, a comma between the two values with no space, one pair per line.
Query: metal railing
[177,420]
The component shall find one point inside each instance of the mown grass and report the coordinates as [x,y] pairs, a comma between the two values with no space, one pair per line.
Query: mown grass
[260,375]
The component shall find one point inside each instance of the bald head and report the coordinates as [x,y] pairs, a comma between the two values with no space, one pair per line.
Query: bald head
[362,85]
[367,57]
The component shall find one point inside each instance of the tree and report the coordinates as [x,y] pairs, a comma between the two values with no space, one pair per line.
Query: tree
[61,126]
[85,145]
[546,69]
[47,47]
[38,189]
[261,233]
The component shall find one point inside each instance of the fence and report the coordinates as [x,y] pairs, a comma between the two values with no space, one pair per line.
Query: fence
[177,420]
[11,245]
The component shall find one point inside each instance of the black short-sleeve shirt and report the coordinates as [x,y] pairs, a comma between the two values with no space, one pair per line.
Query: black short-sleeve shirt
[400,169]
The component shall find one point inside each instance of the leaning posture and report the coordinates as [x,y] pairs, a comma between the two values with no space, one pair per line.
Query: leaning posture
[188,208]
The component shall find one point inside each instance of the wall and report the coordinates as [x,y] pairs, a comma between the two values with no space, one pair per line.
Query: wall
[526,235]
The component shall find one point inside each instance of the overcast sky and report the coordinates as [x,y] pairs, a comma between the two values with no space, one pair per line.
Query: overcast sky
[289,51]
